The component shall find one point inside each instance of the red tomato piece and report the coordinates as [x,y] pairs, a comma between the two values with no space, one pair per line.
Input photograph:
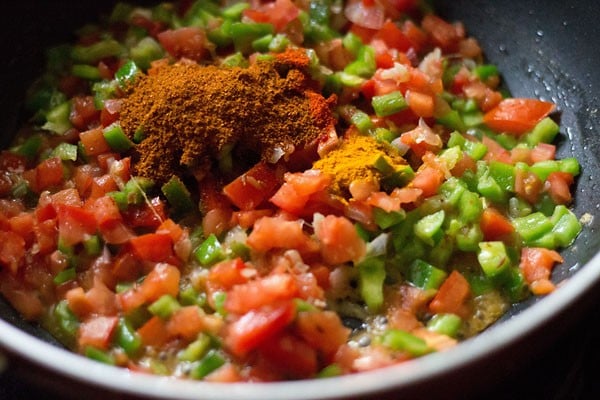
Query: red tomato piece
[260,292]
[228,273]
[452,296]
[537,264]
[295,192]
[290,356]
[257,326]
[393,36]
[273,232]
[558,185]
[253,187]
[428,179]
[528,186]
[74,224]
[163,279]
[187,42]
[49,173]
[97,332]
[154,332]
[443,34]
[323,330]
[278,12]
[93,142]
[339,240]
[494,225]
[517,116]
[153,247]
[83,112]
[186,323]
[12,250]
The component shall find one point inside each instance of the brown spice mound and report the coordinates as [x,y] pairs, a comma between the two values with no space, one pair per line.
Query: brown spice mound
[189,114]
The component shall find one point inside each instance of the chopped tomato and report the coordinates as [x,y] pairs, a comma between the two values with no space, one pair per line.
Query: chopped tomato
[558,185]
[186,323]
[421,104]
[257,326]
[12,250]
[384,201]
[186,42]
[495,151]
[260,292]
[528,186]
[252,188]
[228,273]
[537,264]
[517,116]
[154,247]
[339,240]
[494,225]
[274,232]
[74,224]
[323,330]
[290,356]
[279,13]
[452,297]
[93,142]
[154,332]
[163,279]
[97,332]
[370,16]
[295,192]
[83,112]
[443,34]
[428,179]
[393,36]
[49,173]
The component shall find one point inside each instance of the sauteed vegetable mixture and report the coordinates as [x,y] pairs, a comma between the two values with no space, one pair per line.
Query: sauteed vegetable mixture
[273,190]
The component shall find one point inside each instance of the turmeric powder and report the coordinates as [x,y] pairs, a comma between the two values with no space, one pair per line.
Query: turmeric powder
[359,157]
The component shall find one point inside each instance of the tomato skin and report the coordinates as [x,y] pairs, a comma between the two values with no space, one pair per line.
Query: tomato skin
[93,142]
[227,274]
[257,326]
[393,36]
[517,115]
[187,42]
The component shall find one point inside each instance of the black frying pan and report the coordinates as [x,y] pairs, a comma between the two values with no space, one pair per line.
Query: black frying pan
[544,49]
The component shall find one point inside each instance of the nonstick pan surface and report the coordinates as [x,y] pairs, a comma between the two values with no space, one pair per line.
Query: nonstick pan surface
[544,49]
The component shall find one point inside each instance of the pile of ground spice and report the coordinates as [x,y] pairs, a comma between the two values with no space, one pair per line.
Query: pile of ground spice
[189,114]
[355,160]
